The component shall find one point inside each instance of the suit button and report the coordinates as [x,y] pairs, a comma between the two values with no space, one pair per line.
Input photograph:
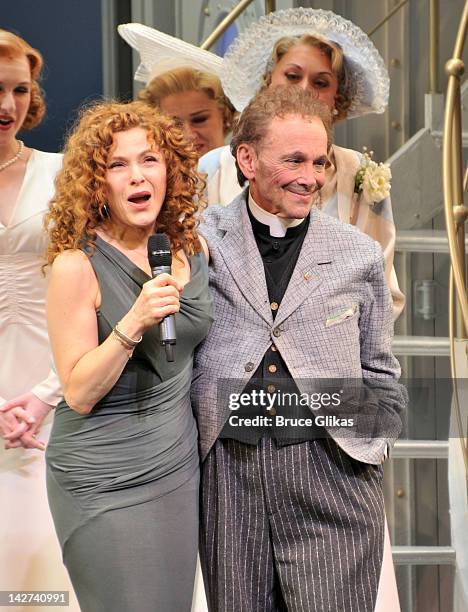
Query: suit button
[273,348]
[277,332]
[249,366]
[274,305]
[272,412]
[271,388]
[272,368]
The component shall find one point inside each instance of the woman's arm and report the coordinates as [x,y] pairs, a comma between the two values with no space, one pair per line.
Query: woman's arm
[377,222]
[87,370]
[49,389]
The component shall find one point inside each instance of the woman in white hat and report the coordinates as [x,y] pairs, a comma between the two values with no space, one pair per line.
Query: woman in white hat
[197,100]
[318,50]
[183,81]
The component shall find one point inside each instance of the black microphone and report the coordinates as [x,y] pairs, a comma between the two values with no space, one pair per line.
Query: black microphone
[160,259]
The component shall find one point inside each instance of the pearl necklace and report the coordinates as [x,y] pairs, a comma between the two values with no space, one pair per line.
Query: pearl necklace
[15,158]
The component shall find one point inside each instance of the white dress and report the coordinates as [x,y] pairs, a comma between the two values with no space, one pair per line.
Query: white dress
[30,557]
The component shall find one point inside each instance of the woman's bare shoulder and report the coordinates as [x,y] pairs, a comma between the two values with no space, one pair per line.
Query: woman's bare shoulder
[71,261]
[74,274]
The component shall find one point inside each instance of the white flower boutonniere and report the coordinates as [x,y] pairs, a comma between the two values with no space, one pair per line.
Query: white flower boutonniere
[372,179]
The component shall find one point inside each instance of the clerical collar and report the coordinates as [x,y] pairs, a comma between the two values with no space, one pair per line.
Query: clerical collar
[278,225]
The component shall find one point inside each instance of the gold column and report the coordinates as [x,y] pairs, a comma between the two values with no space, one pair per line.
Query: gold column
[456,212]
[434,46]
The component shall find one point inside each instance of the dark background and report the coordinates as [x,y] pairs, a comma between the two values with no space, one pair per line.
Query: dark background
[68,34]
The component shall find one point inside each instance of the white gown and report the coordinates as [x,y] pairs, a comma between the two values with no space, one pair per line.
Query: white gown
[30,557]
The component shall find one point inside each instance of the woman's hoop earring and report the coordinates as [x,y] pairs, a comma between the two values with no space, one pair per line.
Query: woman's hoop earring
[103,212]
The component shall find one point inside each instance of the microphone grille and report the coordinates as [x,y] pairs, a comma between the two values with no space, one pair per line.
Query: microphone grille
[159,250]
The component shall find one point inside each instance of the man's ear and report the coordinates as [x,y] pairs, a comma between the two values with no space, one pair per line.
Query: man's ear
[247,160]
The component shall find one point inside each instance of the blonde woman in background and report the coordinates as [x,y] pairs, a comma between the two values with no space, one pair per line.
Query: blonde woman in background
[182,81]
[196,98]
[331,56]
[29,554]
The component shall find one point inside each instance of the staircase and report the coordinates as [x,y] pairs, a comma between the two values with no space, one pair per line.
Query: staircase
[417,198]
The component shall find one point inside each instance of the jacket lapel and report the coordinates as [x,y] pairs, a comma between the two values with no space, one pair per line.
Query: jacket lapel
[242,257]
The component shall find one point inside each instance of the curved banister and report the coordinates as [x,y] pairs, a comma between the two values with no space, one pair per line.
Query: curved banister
[456,214]
[455,211]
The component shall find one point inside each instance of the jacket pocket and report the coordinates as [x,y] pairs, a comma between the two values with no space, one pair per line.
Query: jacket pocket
[343,315]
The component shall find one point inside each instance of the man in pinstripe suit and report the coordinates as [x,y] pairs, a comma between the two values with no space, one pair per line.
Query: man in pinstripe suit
[291,522]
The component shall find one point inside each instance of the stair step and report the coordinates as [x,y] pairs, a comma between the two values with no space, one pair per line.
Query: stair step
[423,555]
[438,136]
[422,241]
[420,449]
[429,346]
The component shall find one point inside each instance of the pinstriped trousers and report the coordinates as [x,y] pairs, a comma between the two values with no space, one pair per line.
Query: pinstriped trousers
[297,528]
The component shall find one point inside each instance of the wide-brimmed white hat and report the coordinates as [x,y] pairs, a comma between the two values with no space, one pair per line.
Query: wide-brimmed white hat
[160,52]
[246,60]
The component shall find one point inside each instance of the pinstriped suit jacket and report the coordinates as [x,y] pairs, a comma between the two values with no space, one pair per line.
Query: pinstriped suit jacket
[338,267]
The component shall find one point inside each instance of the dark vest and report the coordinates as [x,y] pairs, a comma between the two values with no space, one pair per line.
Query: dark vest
[279,256]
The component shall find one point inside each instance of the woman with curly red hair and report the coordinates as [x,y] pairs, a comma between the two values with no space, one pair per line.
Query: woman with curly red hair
[122,461]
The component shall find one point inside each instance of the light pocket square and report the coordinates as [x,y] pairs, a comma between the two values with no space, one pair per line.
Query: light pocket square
[341,316]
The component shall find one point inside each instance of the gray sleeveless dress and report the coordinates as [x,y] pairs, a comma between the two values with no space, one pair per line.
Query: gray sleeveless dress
[122,481]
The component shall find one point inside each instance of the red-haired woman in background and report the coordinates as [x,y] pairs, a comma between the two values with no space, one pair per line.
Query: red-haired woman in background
[29,555]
